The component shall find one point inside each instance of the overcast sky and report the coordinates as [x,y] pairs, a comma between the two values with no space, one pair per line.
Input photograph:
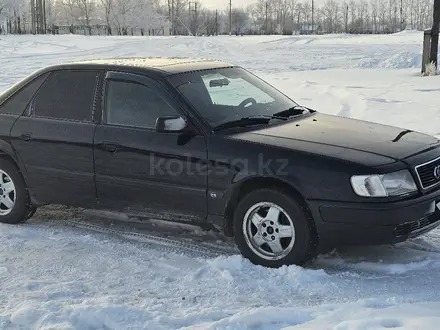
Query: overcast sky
[222,4]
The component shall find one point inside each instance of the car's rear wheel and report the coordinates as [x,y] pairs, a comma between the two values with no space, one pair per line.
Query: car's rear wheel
[14,199]
[271,229]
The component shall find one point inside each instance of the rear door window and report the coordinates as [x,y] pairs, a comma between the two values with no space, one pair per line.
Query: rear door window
[67,94]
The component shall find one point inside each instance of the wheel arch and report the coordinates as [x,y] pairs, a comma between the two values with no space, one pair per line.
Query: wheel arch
[6,152]
[29,209]
[242,188]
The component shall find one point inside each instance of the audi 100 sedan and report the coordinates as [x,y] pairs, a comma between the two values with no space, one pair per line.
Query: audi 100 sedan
[208,143]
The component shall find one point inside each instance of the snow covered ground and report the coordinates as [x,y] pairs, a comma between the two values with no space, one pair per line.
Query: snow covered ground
[55,276]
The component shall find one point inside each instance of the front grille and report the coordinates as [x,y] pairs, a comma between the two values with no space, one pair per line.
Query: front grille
[409,227]
[425,172]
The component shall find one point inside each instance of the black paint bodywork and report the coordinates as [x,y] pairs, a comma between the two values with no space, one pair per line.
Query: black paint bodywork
[96,165]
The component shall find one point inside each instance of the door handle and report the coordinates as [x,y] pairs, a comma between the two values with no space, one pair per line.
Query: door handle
[110,147]
[26,137]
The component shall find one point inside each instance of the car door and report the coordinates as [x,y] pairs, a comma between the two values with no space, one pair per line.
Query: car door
[54,139]
[161,175]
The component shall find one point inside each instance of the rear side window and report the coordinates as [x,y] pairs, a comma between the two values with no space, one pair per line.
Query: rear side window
[67,95]
[18,102]
[131,104]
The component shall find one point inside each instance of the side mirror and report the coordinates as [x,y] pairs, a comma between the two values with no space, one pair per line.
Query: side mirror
[170,124]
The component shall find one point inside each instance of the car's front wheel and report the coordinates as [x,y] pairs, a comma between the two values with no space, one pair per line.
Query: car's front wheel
[14,199]
[271,229]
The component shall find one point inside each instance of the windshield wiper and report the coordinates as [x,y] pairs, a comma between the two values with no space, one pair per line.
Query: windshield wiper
[246,121]
[294,111]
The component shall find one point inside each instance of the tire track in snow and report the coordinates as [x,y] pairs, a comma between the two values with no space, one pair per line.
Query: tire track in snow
[164,240]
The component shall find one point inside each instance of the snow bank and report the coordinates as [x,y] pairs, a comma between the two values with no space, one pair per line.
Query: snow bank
[401,60]
[354,316]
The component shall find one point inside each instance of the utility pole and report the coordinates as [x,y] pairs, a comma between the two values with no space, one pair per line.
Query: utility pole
[33,27]
[190,23]
[44,17]
[172,17]
[267,21]
[38,20]
[434,33]
[216,22]
[401,15]
[313,17]
[196,19]
[193,18]
[346,20]
[230,17]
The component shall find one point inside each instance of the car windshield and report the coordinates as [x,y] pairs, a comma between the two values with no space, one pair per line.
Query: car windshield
[229,94]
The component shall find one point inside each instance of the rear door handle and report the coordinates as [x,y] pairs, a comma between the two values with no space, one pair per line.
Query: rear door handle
[110,147]
[26,137]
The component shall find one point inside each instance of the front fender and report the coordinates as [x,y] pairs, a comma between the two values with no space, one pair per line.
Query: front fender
[244,181]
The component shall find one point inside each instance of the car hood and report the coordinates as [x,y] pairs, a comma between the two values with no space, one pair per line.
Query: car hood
[345,138]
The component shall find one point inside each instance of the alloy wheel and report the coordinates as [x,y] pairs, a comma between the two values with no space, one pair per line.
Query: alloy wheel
[7,194]
[269,231]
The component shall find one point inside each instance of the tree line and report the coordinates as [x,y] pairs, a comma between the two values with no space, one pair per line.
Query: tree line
[186,17]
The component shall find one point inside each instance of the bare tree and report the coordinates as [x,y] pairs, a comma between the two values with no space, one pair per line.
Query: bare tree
[107,6]
[240,19]
[362,14]
[258,14]
[70,11]
[293,12]
[283,8]
[299,12]
[374,14]
[330,15]
[4,4]
[307,12]
[264,16]
[180,14]
[352,12]
[87,8]
[122,9]
[9,5]
[208,21]
[345,13]
[382,15]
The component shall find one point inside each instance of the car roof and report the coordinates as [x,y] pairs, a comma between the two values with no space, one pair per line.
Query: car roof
[161,65]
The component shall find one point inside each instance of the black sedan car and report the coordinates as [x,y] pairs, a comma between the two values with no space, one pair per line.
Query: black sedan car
[209,143]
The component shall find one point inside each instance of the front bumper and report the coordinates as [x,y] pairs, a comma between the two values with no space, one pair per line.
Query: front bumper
[344,224]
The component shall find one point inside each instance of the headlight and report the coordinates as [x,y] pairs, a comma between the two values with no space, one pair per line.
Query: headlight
[384,185]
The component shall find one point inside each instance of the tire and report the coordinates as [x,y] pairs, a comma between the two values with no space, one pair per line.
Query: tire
[263,209]
[21,208]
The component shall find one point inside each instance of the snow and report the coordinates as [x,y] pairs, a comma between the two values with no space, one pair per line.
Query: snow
[56,276]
